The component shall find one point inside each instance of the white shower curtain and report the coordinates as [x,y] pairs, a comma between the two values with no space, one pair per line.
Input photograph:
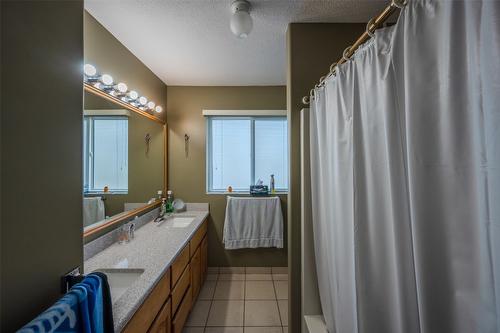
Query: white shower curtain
[405,176]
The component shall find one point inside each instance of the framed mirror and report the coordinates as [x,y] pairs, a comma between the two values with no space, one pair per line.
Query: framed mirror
[124,162]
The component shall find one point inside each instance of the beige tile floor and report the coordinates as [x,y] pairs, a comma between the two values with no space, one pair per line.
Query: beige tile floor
[241,300]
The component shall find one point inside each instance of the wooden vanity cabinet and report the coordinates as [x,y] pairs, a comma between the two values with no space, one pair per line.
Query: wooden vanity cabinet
[180,288]
[179,319]
[179,265]
[144,317]
[204,258]
[163,322]
[196,272]
[167,307]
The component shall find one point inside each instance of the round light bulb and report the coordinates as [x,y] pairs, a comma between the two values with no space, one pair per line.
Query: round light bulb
[158,109]
[151,105]
[241,24]
[143,100]
[89,70]
[133,95]
[121,87]
[107,79]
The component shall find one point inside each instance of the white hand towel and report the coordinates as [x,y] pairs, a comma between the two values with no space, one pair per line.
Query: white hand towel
[253,222]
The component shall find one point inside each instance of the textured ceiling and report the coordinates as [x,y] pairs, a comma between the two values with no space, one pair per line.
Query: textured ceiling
[188,42]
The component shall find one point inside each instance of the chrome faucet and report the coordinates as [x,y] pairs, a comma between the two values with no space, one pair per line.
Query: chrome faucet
[131,231]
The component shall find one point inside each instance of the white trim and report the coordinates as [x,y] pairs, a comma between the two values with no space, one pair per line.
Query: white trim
[316,324]
[110,112]
[243,113]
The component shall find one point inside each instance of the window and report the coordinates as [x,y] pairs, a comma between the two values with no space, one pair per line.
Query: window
[242,150]
[105,153]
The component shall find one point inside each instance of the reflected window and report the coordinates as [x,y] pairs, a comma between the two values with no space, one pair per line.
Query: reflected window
[242,150]
[105,154]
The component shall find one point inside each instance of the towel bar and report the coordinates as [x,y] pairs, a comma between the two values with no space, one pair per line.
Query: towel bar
[70,279]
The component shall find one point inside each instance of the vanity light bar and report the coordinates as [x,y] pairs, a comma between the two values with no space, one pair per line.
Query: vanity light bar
[106,83]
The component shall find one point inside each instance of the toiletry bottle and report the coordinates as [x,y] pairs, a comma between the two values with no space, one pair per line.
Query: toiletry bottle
[163,207]
[271,185]
[170,200]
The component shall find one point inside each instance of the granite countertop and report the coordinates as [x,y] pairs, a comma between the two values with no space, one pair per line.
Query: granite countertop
[153,249]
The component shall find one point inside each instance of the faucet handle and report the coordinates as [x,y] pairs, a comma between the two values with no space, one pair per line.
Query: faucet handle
[131,230]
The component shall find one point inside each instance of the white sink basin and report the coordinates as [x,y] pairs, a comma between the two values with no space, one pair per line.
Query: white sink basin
[180,221]
[176,221]
[120,279]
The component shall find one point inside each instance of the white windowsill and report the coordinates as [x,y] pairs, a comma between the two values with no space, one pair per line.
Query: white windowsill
[247,193]
[105,193]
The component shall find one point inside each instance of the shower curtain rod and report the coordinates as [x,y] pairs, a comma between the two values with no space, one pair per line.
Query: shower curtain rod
[372,25]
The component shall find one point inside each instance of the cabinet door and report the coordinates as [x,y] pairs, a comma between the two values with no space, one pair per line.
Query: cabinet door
[180,317]
[180,288]
[204,258]
[163,322]
[145,316]
[196,273]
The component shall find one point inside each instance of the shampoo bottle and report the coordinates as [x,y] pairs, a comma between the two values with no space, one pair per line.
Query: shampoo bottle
[271,185]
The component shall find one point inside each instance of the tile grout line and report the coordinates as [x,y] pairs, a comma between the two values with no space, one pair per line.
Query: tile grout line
[211,301]
[244,298]
[278,306]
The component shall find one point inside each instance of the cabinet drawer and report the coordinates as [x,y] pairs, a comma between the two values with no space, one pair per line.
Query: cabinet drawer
[182,314]
[196,273]
[163,322]
[198,237]
[179,264]
[146,314]
[180,288]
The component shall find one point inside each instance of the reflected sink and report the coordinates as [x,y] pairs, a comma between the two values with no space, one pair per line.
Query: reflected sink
[120,279]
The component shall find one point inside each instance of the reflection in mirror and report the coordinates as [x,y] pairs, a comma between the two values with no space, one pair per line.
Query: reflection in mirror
[123,160]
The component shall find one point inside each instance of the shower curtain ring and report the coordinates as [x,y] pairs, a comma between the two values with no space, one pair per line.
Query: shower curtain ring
[344,55]
[399,3]
[370,23]
[332,68]
[322,80]
[312,93]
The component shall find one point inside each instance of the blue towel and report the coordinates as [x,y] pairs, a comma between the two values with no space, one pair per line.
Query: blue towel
[80,310]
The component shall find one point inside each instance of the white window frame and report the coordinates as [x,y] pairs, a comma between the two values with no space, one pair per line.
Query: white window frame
[88,167]
[213,115]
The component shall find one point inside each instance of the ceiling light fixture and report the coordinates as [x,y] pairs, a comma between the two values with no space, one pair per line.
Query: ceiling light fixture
[120,90]
[241,21]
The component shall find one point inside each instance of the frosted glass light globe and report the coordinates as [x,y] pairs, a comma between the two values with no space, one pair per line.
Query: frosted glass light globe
[133,95]
[121,87]
[143,100]
[241,24]
[89,70]
[158,109]
[151,105]
[107,79]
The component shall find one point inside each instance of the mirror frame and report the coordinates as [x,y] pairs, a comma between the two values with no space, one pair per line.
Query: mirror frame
[125,216]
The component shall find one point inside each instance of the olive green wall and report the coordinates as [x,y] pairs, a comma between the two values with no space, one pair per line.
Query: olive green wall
[145,173]
[187,174]
[311,49]
[104,51]
[41,151]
